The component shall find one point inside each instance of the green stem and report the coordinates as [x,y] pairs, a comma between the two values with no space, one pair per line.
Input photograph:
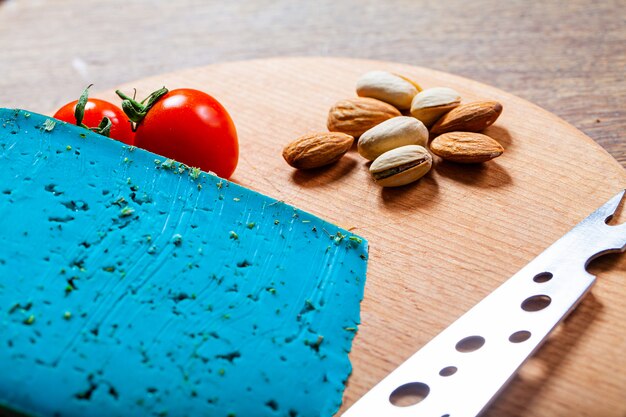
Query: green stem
[79,111]
[137,111]
[104,128]
[79,114]
[130,99]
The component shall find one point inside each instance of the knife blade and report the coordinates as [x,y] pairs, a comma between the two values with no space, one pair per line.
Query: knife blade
[460,371]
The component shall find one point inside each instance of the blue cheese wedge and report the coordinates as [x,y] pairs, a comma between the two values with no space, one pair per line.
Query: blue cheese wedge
[132,285]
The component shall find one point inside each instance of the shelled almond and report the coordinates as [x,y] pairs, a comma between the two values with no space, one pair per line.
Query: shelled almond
[471,117]
[466,147]
[317,149]
[354,116]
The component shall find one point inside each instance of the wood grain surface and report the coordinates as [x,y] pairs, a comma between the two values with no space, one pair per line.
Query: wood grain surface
[566,56]
[440,245]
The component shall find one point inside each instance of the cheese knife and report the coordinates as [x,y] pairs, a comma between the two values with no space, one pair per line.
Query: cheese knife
[462,370]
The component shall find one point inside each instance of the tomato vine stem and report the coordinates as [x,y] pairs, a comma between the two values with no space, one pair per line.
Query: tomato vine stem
[137,110]
[104,128]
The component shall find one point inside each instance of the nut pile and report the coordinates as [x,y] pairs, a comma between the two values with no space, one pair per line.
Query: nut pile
[397,144]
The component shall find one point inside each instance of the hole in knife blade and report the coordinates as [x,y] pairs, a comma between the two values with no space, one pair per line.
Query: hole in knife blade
[409,394]
[543,277]
[470,344]
[536,302]
[448,371]
[519,337]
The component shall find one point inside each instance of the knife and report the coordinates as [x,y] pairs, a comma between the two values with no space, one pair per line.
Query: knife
[462,370]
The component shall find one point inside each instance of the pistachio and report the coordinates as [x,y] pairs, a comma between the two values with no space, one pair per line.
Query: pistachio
[432,103]
[390,134]
[471,117]
[401,166]
[317,149]
[354,116]
[390,88]
[466,147]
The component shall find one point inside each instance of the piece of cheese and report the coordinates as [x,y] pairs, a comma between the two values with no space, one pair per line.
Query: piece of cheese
[131,285]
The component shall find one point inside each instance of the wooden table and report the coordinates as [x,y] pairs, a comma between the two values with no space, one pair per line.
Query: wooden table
[567,57]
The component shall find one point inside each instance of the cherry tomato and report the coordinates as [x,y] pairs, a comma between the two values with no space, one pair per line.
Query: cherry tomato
[95,111]
[191,127]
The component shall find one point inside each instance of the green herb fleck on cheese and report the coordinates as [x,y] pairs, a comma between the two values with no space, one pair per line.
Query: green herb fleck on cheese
[236,199]
[194,173]
[356,239]
[29,320]
[68,148]
[221,372]
[234,235]
[126,211]
[157,162]
[49,125]
[315,345]
[309,306]
[276,222]
[251,225]
[67,315]
[169,164]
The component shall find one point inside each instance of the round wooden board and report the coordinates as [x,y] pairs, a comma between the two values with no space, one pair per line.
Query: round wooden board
[440,245]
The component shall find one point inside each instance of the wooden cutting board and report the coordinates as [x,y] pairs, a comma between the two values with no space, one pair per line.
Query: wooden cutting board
[440,245]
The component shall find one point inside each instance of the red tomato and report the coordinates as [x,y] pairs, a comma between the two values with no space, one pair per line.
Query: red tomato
[192,127]
[95,110]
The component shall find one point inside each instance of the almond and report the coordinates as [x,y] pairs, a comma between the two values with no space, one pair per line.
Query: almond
[466,147]
[357,115]
[471,117]
[317,149]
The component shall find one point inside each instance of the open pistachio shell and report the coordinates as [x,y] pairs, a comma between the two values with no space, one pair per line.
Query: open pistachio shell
[401,166]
